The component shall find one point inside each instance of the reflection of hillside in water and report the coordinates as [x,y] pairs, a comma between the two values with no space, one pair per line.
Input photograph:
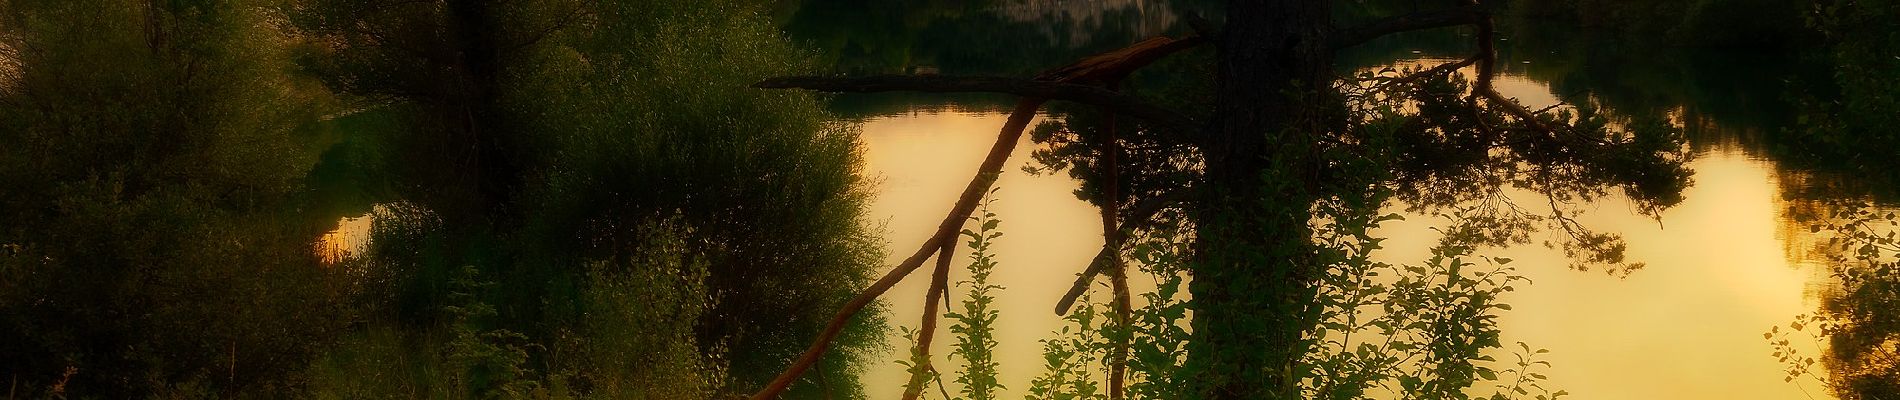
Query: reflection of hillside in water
[1074,23]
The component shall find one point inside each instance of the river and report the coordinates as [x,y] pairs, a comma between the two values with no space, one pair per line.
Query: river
[1723,267]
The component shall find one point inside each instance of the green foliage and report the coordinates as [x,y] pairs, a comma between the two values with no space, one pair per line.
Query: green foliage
[1846,119]
[631,338]
[159,207]
[1446,154]
[1069,358]
[1158,341]
[1859,317]
[1411,331]
[974,325]
[921,371]
[549,135]
[1843,194]
[636,339]
[483,362]
[149,239]
[769,187]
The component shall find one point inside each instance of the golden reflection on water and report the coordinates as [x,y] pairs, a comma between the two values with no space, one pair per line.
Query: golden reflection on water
[348,239]
[921,163]
[1689,326]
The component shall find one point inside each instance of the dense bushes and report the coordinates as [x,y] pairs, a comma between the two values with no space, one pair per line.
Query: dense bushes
[151,155]
[622,122]
[573,199]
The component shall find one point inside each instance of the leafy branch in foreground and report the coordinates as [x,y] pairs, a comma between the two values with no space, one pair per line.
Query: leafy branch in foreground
[1068,357]
[1857,316]
[975,324]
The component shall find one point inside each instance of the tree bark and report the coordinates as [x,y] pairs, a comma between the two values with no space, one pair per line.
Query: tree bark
[927,329]
[1095,68]
[1254,267]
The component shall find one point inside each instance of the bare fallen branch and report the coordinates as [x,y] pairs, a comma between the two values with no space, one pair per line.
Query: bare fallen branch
[1136,218]
[927,329]
[1097,68]
[1433,71]
[945,236]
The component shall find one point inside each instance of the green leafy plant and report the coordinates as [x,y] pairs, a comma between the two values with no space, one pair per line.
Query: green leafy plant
[487,363]
[1857,318]
[1069,358]
[974,324]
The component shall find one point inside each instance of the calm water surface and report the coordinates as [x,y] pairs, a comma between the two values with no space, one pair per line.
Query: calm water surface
[1689,326]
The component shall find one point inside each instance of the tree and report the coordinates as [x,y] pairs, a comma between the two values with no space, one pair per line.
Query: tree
[1842,195]
[150,243]
[1283,135]
[552,137]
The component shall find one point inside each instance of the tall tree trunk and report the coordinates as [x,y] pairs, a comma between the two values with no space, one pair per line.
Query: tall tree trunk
[1252,281]
[496,169]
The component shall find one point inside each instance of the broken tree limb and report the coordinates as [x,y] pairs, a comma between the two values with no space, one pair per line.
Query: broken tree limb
[1116,62]
[1353,36]
[1437,70]
[1487,69]
[1114,65]
[939,283]
[947,231]
[1109,100]
[1137,217]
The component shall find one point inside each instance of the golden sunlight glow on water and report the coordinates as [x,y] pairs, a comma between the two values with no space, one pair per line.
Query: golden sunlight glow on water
[1689,326]
[350,238]
[922,162]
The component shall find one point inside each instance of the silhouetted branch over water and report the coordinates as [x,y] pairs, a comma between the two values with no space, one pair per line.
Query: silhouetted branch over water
[1049,85]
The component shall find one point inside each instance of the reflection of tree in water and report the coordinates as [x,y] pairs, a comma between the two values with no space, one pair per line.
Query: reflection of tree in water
[1844,192]
[1859,312]
[1282,182]
[1844,220]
